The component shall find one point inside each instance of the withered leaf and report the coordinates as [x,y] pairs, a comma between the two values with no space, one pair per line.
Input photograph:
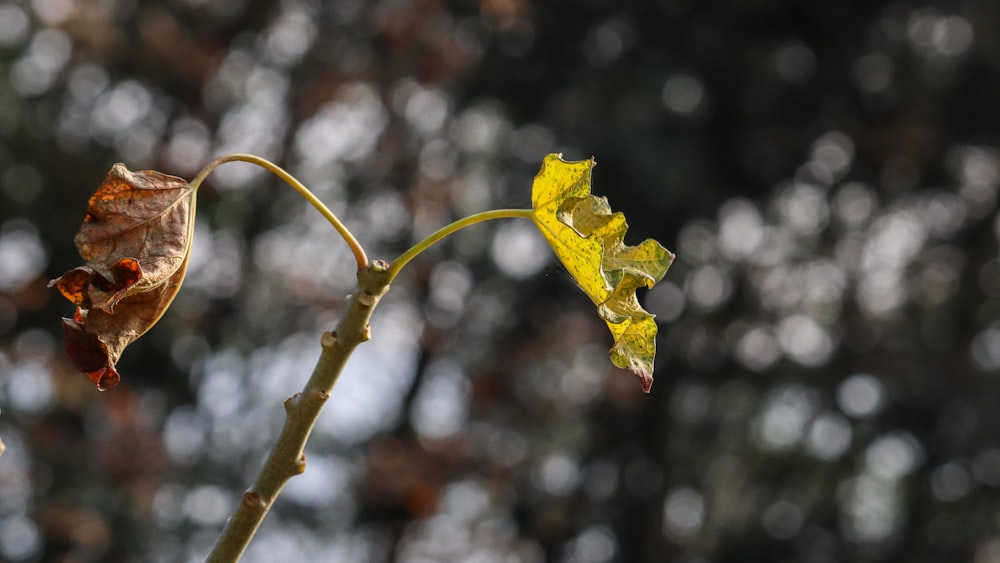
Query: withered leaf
[135,240]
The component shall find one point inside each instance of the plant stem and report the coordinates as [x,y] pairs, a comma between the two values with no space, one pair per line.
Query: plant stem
[301,410]
[287,459]
[359,252]
[439,234]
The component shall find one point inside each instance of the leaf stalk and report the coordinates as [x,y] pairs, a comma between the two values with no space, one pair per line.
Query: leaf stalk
[441,233]
[356,248]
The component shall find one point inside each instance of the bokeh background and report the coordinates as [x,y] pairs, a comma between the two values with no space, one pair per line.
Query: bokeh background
[826,171]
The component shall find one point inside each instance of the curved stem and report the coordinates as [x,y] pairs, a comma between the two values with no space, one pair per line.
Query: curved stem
[439,234]
[356,249]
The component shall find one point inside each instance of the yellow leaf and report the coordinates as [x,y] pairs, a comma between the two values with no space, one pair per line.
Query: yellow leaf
[589,240]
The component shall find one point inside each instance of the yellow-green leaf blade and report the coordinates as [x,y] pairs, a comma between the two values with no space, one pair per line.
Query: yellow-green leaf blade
[589,240]
[635,350]
[556,182]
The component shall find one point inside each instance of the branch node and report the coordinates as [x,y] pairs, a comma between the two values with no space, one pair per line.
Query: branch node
[367,334]
[300,465]
[380,266]
[292,401]
[366,299]
[329,339]
[252,500]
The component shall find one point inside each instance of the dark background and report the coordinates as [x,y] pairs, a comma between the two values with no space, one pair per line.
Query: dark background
[826,171]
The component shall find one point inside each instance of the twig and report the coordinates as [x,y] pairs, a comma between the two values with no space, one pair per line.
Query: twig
[301,410]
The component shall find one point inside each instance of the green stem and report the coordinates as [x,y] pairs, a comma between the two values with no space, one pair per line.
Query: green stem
[439,234]
[356,249]
[287,459]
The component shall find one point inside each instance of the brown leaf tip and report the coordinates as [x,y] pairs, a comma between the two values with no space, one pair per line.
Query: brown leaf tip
[645,379]
[105,378]
[89,353]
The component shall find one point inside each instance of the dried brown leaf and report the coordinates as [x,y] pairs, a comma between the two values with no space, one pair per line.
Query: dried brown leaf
[135,239]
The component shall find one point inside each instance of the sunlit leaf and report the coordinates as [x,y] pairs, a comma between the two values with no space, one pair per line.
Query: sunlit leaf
[135,239]
[589,240]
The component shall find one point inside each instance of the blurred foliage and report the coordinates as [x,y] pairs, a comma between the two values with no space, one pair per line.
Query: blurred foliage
[827,173]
